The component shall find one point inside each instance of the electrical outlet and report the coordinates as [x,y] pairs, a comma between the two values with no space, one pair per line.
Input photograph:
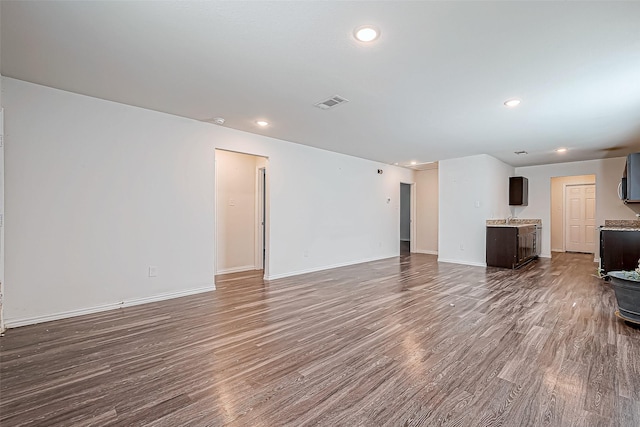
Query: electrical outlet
[153,271]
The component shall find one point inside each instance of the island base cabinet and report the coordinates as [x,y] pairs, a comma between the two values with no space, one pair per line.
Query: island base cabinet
[511,247]
[502,247]
[619,250]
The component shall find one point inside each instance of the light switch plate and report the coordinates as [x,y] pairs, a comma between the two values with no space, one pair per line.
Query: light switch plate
[153,271]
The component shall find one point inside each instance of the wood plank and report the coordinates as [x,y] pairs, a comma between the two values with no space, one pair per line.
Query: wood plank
[404,341]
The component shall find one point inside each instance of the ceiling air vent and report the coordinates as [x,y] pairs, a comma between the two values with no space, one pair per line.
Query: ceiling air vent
[331,102]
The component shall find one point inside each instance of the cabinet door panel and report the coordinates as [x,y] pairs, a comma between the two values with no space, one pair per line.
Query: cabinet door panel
[502,248]
[620,250]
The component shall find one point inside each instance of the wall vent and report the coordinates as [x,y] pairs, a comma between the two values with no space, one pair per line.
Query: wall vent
[331,102]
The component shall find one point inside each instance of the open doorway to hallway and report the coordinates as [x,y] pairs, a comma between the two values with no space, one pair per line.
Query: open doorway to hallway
[573,214]
[241,212]
[406,218]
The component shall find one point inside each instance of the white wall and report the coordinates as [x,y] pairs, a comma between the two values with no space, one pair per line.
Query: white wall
[1,210]
[328,210]
[405,212]
[2,247]
[2,214]
[608,206]
[427,211]
[472,190]
[96,192]
[235,211]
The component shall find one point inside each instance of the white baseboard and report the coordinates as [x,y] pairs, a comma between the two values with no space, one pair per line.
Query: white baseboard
[326,267]
[237,269]
[595,257]
[14,323]
[424,251]
[457,261]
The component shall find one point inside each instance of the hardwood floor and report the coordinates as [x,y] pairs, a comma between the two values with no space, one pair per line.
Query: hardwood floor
[398,342]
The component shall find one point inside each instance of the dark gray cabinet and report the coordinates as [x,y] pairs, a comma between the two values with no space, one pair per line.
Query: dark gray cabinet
[512,247]
[518,191]
[630,185]
[619,250]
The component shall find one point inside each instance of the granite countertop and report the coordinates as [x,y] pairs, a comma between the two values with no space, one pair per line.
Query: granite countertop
[510,225]
[621,225]
[514,222]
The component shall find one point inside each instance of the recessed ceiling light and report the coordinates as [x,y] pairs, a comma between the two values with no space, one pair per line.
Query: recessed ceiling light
[396,164]
[413,163]
[512,103]
[561,150]
[366,33]
[218,120]
[262,123]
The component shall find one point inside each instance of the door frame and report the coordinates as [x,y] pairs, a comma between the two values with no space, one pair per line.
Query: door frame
[2,249]
[267,245]
[260,216]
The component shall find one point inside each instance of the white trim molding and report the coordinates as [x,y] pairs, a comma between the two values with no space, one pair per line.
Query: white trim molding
[238,269]
[425,251]
[457,261]
[325,267]
[14,323]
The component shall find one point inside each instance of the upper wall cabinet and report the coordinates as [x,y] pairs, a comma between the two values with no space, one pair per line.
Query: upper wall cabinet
[518,191]
[629,188]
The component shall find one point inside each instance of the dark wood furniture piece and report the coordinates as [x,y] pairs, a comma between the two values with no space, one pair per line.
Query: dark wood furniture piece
[518,191]
[619,250]
[512,246]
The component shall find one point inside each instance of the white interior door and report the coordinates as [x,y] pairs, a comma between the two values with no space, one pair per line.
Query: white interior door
[580,218]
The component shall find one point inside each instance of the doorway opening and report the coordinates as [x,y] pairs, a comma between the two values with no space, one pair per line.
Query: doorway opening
[407,207]
[573,214]
[241,213]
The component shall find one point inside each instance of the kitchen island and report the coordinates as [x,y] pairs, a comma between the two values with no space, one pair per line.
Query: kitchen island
[512,243]
[619,245]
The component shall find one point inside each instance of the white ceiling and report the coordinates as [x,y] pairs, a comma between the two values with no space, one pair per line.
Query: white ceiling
[431,87]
